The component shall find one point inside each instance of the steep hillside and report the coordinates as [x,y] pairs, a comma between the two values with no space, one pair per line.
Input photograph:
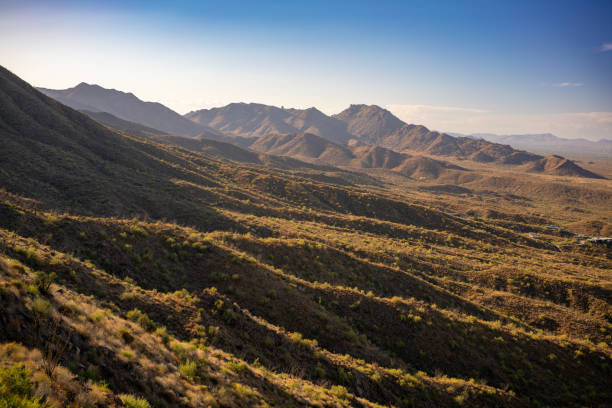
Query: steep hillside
[253,120]
[127,106]
[240,286]
[125,126]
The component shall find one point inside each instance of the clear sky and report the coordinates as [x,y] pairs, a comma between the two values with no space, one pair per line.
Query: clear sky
[463,66]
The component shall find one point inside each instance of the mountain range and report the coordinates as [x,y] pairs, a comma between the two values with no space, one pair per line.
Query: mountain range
[547,143]
[370,125]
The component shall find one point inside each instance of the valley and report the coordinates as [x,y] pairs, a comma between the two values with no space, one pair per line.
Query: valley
[270,261]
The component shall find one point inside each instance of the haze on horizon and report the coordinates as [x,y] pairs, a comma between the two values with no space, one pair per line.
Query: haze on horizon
[477,67]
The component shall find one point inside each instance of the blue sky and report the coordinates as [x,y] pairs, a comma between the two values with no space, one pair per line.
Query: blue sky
[465,66]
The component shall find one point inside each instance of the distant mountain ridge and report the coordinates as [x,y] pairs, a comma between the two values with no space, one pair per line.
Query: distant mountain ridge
[309,147]
[127,106]
[289,151]
[368,125]
[547,143]
[254,120]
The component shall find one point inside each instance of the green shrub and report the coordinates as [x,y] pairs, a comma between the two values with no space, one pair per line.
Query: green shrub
[97,316]
[32,290]
[131,401]
[189,369]
[238,366]
[125,335]
[16,389]
[43,281]
[30,256]
[41,307]
[142,319]
[162,332]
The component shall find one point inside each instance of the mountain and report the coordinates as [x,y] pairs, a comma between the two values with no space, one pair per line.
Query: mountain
[369,123]
[276,151]
[229,150]
[559,166]
[550,144]
[254,120]
[309,147]
[140,274]
[131,128]
[377,125]
[358,124]
[127,106]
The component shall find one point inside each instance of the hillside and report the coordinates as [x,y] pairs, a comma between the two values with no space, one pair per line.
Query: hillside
[174,279]
[127,106]
[254,120]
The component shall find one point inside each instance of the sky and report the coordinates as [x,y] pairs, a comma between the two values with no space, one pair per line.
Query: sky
[464,66]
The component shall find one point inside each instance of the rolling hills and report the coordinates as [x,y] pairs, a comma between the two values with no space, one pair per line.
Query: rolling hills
[177,279]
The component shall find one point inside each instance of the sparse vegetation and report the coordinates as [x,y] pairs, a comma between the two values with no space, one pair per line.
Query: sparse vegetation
[243,285]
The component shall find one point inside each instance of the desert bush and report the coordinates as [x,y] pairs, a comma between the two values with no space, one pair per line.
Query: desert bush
[188,369]
[54,345]
[125,335]
[43,281]
[16,389]
[142,319]
[41,308]
[131,401]
[162,332]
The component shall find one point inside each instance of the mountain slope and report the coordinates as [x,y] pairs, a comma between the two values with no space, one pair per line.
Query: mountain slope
[253,120]
[127,106]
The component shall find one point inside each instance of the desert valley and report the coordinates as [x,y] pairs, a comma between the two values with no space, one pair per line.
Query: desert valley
[244,254]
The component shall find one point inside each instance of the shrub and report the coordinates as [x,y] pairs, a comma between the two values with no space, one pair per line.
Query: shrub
[41,307]
[125,335]
[131,401]
[30,256]
[32,290]
[237,366]
[16,389]
[97,316]
[142,319]
[162,332]
[43,281]
[188,369]
[340,392]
